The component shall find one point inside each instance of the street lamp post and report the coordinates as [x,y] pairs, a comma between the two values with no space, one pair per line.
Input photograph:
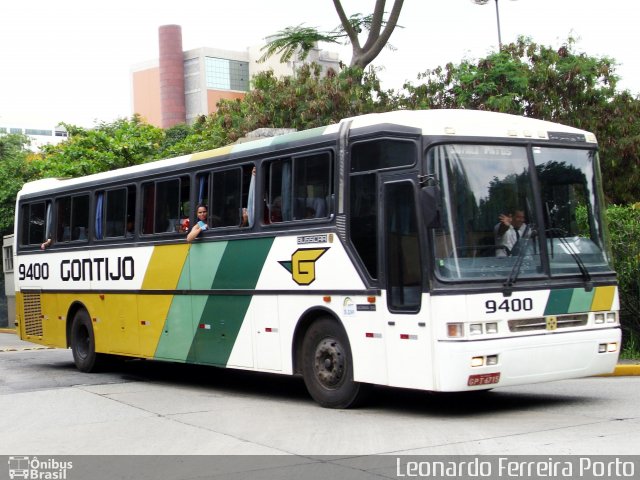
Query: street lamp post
[484,2]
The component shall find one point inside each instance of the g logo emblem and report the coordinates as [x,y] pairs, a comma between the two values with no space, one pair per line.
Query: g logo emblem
[303,264]
[552,323]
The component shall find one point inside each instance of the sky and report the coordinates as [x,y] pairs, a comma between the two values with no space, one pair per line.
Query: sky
[70,60]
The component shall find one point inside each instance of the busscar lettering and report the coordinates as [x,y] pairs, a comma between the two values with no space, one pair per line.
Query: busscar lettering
[98,269]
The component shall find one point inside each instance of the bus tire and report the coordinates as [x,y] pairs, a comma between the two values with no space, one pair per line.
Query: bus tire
[83,343]
[327,366]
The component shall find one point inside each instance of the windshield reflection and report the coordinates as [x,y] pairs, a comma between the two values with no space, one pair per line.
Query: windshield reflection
[489,213]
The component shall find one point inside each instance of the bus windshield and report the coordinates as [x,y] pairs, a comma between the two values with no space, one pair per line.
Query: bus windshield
[492,225]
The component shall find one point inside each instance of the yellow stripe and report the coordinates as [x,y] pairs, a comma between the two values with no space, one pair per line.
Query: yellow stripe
[165,267]
[603,298]
[163,273]
[212,153]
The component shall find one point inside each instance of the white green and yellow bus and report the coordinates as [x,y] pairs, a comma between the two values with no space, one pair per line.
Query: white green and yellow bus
[368,255]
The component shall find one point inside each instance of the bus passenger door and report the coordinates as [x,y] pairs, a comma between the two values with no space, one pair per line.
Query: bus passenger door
[407,331]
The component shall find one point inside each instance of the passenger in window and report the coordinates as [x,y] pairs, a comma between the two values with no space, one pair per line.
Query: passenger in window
[510,228]
[201,223]
[46,244]
[184,225]
[130,228]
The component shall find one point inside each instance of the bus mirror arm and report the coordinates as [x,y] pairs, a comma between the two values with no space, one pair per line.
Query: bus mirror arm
[430,203]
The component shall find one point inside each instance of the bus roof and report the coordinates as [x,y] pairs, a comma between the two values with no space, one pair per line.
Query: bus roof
[451,123]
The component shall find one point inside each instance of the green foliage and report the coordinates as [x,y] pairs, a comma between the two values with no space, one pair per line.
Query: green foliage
[203,135]
[108,146]
[305,101]
[296,40]
[624,229]
[559,85]
[15,169]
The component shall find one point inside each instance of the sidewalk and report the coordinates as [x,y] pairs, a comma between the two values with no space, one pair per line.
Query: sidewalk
[9,342]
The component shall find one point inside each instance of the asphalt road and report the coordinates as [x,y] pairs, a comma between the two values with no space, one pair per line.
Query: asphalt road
[155,408]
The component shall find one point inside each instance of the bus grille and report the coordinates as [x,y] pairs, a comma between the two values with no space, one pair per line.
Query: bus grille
[32,314]
[542,323]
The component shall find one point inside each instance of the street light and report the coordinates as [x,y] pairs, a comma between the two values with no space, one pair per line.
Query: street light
[484,2]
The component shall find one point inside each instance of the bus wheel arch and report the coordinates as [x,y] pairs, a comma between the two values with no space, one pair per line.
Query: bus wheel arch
[323,356]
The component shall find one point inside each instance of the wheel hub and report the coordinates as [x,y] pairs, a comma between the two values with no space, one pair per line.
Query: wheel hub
[329,362]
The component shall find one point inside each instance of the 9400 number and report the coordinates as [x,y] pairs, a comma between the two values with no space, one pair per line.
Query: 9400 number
[509,305]
[33,271]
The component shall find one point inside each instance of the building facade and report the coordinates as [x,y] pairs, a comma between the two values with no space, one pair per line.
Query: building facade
[38,136]
[180,86]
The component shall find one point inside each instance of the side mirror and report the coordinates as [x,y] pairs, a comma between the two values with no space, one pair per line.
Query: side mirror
[431,207]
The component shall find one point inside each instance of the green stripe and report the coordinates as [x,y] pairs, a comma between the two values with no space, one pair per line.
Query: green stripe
[558,302]
[581,300]
[239,268]
[212,265]
[569,300]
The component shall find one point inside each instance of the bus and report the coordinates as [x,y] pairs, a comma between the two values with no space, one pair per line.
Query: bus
[361,253]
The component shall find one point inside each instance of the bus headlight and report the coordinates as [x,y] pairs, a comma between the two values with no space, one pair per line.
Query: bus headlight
[492,327]
[599,318]
[611,317]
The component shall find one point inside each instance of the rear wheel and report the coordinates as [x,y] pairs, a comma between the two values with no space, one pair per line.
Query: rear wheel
[327,366]
[83,344]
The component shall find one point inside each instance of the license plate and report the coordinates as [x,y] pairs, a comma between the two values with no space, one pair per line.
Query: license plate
[484,379]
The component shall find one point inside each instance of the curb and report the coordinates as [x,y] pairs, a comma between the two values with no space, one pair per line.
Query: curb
[625,370]
[8,330]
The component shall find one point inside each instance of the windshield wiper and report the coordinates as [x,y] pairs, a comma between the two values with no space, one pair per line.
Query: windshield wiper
[575,255]
[515,271]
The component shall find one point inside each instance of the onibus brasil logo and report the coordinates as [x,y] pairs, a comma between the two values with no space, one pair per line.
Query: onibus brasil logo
[34,468]
[302,265]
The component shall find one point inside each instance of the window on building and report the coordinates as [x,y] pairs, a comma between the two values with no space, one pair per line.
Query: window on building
[7,254]
[224,74]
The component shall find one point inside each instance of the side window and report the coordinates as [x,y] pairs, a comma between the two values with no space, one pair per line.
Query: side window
[404,274]
[165,205]
[298,188]
[233,197]
[115,213]
[36,218]
[382,153]
[225,208]
[72,219]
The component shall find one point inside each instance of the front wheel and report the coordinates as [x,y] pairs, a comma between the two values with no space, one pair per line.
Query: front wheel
[83,343]
[327,366]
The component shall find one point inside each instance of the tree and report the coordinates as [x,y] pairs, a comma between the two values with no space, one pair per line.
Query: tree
[108,146]
[305,101]
[301,39]
[559,85]
[15,170]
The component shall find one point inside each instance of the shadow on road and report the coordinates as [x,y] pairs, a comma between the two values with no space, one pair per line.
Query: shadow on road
[284,387]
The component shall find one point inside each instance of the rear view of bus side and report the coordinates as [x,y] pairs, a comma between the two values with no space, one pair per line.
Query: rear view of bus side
[372,251]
